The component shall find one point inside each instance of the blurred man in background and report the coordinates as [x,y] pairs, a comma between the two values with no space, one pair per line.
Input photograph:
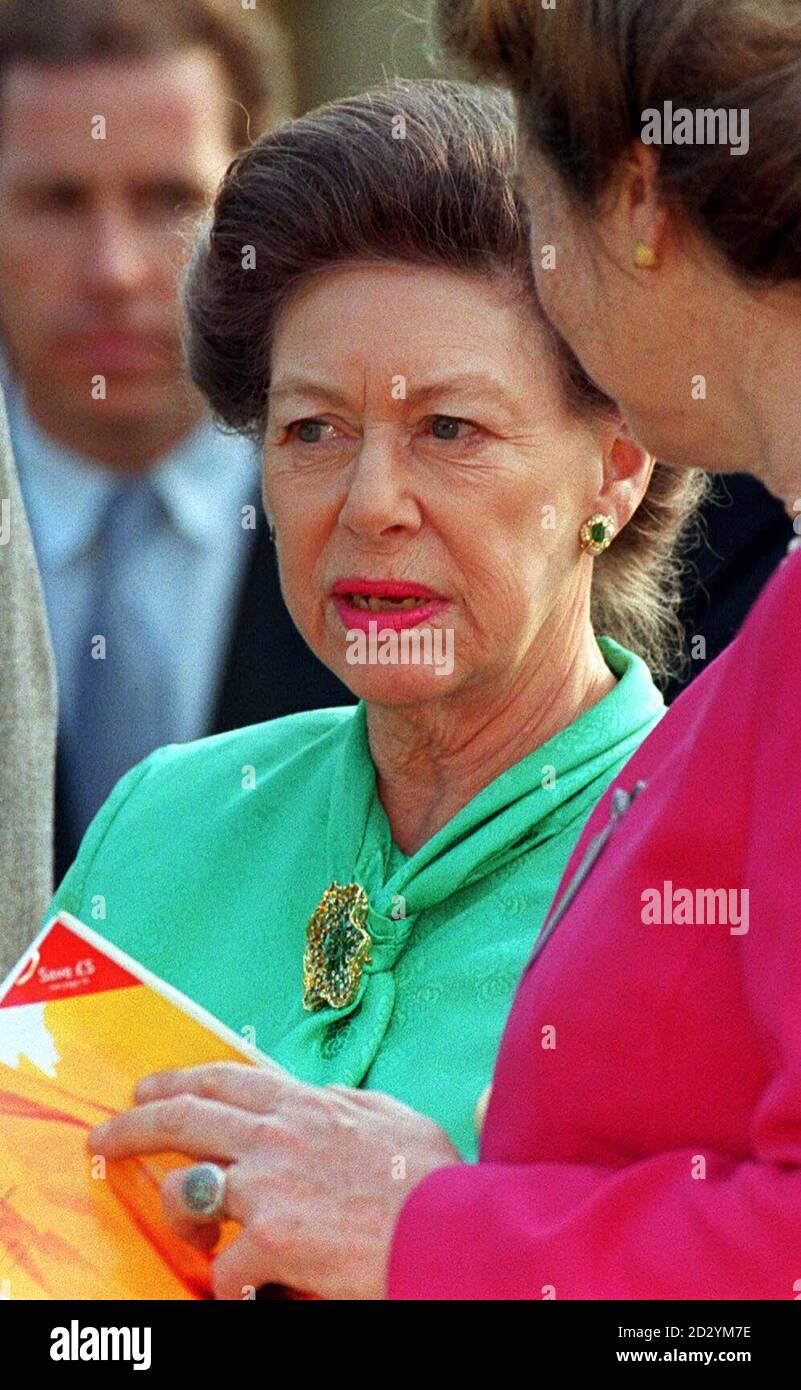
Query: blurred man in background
[117,121]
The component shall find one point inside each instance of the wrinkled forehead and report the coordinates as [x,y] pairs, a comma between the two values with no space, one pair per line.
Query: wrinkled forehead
[391,335]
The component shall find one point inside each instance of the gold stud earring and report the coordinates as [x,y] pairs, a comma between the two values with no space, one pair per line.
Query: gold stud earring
[644,257]
[597,533]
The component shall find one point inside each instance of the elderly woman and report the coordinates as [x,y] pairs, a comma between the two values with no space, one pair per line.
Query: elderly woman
[643,1139]
[361,888]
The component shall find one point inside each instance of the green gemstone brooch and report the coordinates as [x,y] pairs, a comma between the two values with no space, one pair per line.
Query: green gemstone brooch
[337,947]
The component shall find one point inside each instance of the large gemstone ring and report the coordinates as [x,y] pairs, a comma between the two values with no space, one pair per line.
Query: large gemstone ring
[203,1190]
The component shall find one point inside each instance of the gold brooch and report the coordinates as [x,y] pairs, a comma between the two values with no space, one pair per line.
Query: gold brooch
[337,947]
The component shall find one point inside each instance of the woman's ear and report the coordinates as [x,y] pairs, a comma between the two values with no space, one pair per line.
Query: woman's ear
[639,214]
[648,209]
[627,469]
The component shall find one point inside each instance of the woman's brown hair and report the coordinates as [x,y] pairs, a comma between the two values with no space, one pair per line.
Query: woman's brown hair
[584,72]
[421,173]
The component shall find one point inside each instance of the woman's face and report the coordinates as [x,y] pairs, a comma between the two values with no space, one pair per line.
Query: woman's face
[653,341]
[424,477]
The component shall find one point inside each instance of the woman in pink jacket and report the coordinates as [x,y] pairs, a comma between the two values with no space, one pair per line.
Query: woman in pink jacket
[643,1138]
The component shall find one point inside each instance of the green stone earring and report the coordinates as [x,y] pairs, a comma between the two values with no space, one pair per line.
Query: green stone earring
[597,533]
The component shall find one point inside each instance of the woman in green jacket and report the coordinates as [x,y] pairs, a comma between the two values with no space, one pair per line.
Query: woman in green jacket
[356,890]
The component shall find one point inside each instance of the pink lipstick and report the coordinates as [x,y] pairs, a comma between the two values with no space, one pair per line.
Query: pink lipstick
[388,603]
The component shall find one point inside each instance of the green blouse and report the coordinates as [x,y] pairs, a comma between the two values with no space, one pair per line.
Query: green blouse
[208,859]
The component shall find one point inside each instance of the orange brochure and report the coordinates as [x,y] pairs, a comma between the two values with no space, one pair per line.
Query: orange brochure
[80,1023]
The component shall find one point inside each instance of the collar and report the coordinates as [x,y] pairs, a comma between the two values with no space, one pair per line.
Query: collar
[199,482]
[204,479]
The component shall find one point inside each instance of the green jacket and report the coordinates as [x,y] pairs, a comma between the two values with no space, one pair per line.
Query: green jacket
[209,858]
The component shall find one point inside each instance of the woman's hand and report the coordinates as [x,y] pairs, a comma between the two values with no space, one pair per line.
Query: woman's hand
[316,1175]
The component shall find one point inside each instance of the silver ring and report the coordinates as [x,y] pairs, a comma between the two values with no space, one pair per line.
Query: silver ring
[203,1189]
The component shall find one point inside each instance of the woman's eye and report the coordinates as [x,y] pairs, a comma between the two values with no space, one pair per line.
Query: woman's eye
[311,431]
[449,427]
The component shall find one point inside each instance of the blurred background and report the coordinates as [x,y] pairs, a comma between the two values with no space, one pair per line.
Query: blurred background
[343,46]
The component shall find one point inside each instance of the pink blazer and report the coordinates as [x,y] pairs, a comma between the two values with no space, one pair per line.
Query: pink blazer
[643,1138]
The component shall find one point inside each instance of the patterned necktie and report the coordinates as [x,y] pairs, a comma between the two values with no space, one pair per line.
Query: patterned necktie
[123,685]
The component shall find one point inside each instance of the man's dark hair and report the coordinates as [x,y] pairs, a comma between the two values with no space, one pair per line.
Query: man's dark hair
[251,45]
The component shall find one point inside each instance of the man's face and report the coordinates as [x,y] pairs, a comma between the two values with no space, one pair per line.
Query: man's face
[90,255]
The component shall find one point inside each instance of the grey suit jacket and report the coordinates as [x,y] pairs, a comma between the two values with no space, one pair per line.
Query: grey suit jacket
[27,725]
